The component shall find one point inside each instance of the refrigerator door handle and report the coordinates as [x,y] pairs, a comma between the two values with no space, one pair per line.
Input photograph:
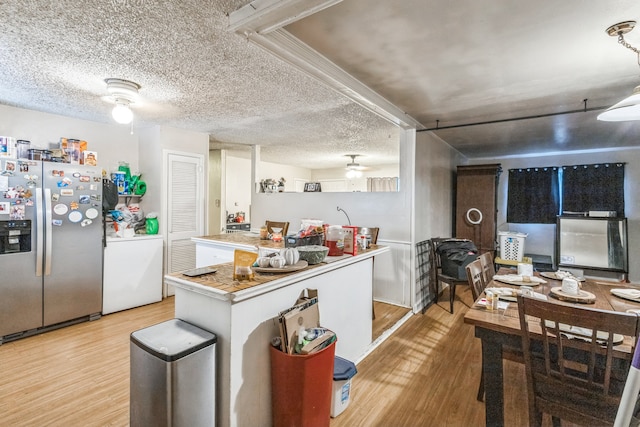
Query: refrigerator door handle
[48,230]
[39,232]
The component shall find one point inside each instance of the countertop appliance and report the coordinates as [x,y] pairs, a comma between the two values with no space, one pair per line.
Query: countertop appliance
[51,250]
[132,272]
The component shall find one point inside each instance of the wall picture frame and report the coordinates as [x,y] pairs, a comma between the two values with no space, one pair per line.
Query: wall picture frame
[311,187]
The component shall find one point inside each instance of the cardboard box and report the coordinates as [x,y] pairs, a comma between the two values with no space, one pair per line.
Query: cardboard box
[304,313]
[350,239]
[455,268]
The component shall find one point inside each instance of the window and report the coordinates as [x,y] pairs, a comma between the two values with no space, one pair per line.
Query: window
[597,187]
[538,195]
[534,196]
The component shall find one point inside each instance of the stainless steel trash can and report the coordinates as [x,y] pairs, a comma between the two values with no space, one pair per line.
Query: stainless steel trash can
[172,380]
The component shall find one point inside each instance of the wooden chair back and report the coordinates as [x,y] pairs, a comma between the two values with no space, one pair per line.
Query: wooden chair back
[488,267]
[274,224]
[571,373]
[475,278]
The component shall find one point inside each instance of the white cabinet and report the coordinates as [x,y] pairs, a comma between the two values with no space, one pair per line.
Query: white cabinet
[132,272]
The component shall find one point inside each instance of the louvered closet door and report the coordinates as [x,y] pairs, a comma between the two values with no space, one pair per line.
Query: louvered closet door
[185,209]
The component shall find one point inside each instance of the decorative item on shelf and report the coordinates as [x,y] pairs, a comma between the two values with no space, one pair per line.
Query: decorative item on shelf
[312,187]
[281,184]
[268,185]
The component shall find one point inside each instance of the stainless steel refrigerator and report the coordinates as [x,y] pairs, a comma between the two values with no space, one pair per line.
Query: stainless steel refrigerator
[51,247]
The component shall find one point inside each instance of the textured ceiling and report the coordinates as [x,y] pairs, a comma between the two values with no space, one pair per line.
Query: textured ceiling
[194,74]
[443,63]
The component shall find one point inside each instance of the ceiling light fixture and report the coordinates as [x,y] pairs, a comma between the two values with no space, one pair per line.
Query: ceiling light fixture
[353,168]
[124,93]
[628,108]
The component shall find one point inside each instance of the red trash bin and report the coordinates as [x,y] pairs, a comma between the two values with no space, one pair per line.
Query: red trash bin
[301,388]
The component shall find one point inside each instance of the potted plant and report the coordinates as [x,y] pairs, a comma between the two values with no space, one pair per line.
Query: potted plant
[281,185]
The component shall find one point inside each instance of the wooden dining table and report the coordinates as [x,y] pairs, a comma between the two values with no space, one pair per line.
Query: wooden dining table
[498,329]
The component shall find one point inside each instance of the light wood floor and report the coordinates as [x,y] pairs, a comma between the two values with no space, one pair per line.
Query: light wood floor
[425,374]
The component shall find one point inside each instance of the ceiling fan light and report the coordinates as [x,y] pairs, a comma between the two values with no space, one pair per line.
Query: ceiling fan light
[120,88]
[625,110]
[122,114]
[352,173]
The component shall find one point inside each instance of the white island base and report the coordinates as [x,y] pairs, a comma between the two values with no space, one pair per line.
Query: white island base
[245,322]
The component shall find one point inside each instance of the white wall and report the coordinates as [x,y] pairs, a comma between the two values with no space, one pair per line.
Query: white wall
[113,142]
[391,170]
[238,186]
[436,163]
[288,172]
[153,141]
[541,238]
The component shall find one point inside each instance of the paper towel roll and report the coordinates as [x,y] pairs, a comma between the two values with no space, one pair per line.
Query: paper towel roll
[570,286]
[525,269]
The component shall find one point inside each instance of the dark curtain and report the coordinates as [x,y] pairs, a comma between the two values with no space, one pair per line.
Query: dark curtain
[598,187]
[533,196]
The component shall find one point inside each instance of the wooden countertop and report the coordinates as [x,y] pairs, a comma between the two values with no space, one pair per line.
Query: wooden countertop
[222,285]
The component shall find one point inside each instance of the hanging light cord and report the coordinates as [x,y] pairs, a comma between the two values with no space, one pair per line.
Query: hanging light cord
[624,43]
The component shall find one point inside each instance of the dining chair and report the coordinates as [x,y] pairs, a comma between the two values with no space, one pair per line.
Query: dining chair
[451,281]
[571,372]
[488,267]
[274,224]
[475,277]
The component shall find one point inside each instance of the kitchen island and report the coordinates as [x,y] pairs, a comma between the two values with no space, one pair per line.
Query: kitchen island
[243,315]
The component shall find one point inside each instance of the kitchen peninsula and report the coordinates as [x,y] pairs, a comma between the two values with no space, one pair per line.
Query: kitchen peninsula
[242,315]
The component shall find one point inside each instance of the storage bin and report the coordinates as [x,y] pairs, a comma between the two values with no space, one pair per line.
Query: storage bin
[343,371]
[301,388]
[511,245]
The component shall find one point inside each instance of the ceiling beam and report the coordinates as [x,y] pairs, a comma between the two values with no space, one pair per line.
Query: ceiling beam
[261,22]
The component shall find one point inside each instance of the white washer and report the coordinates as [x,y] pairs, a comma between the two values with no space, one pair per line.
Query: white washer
[132,272]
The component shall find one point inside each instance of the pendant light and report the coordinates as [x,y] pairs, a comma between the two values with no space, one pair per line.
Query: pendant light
[629,108]
[123,93]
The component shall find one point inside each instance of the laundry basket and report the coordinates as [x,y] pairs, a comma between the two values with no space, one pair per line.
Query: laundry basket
[511,245]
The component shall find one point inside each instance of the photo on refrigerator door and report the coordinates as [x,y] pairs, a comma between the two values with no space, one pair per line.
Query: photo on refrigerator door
[17,212]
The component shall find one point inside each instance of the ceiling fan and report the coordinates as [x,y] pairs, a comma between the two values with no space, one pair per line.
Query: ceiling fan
[353,166]
[354,170]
